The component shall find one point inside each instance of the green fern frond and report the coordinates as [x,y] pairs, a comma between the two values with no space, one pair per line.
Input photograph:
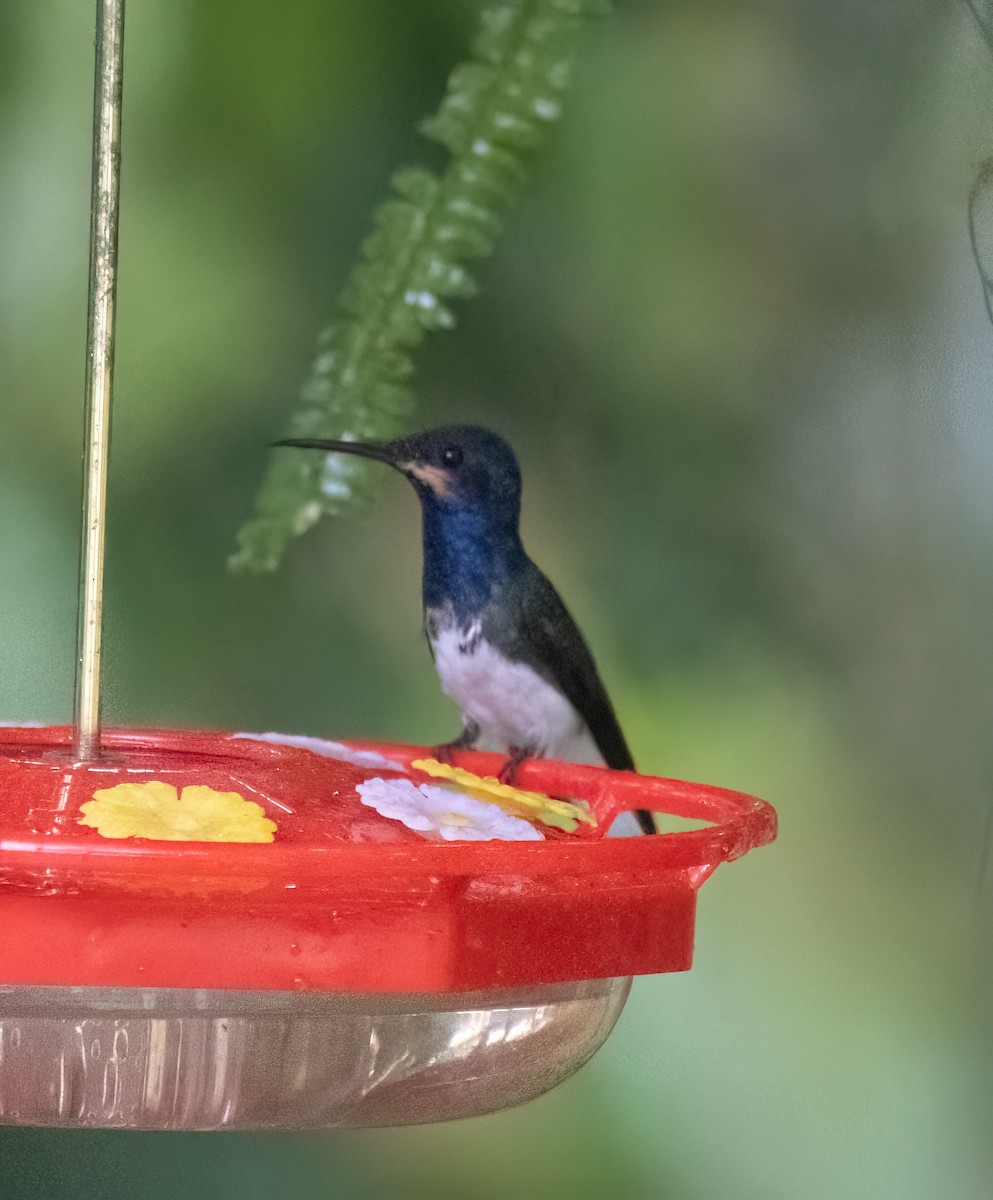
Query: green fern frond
[412,266]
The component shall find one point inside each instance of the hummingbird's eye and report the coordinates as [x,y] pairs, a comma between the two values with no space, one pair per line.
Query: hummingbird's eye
[451,456]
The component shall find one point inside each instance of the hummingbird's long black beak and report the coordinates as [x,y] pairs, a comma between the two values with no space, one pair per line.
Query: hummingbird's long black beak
[394,454]
[380,451]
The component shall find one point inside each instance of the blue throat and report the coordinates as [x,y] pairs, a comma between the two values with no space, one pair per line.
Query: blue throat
[466,554]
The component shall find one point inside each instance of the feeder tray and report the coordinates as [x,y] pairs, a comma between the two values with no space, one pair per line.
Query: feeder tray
[351,972]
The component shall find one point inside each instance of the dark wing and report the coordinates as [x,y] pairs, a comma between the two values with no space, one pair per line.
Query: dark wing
[536,628]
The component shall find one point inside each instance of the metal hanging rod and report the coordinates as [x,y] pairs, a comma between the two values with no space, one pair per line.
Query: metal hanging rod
[105,203]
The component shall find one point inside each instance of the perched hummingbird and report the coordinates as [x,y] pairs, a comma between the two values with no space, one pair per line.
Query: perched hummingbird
[505,647]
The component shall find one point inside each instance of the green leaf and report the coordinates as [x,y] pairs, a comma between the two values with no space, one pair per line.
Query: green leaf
[491,119]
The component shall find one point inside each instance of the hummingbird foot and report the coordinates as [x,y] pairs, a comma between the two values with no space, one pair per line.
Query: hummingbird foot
[517,755]
[466,740]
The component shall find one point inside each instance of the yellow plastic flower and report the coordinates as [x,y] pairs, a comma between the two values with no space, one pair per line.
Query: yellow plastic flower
[155,810]
[533,806]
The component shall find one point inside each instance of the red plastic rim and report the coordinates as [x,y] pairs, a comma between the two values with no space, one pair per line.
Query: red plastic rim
[343,899]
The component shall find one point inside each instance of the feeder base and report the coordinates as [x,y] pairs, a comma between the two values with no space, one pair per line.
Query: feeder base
[146,1058]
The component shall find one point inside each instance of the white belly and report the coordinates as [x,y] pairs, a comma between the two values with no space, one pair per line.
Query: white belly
[511,703]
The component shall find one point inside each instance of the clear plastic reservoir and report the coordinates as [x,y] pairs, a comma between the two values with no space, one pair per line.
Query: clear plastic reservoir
[182,1058]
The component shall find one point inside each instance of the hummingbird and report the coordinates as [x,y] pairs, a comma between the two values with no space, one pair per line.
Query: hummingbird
[505,646]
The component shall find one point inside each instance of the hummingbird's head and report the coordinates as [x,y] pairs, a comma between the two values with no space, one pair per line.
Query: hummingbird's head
[453,467]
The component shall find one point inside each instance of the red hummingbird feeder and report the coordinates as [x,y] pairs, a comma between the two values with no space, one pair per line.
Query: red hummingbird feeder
[350,972]
[299,959]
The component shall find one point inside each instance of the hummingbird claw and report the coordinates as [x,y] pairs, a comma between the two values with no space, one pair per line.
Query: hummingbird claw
[465,741]
[517,755]
[445,753]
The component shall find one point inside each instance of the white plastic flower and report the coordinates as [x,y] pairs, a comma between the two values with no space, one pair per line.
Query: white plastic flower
[444,813]
[326,749]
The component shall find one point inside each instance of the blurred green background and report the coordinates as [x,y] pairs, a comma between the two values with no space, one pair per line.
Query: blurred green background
[735,332]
